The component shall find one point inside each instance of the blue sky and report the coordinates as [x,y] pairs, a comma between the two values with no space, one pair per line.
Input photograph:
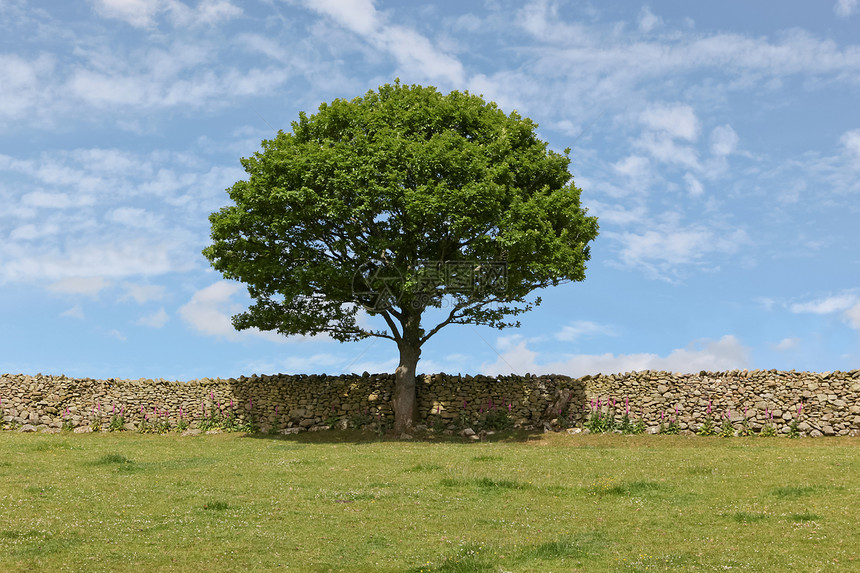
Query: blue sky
[718,143]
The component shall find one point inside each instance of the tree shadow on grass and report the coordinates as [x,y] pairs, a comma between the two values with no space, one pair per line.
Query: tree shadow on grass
[352,436]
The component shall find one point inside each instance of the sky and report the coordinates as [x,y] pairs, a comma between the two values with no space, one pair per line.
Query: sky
[717,143]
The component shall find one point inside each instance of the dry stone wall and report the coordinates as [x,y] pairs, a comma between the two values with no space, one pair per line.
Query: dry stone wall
[819,403]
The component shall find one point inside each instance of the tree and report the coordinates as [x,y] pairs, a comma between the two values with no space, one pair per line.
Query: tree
[397,202]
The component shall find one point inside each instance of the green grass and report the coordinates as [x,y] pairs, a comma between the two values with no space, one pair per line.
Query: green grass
[348,502]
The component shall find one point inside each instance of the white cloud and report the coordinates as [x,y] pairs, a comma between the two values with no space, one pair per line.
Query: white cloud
[786,344]
[413,51]
[662,250]
[214,11]
[677,120]
[845,8]
[134,217]
[853,316]
[846,304]
[580,328]
[143,293]
[22,85]
[583,73]
[155,320]
[138,13]
[851,141]
[31,231]
[694,185]
[210,309]
[314,363]
[663,147]
[74,312]
[828,305]
[647,20]
[541,19]
[142,13]
[616,214]
[99,256]
[635,167]
[89,286]
[56,200]
[180,75]
[726,353]
[724,140]
[117,334]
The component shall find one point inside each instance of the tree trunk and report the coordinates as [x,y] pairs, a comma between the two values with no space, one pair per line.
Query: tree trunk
[405,407]
[404,402]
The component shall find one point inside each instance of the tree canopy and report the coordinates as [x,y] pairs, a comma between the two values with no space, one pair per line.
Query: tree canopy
[395,202]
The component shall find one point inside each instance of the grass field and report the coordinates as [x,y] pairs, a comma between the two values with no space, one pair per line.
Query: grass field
[346,502]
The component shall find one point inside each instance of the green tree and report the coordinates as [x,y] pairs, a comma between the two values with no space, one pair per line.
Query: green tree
[400,201]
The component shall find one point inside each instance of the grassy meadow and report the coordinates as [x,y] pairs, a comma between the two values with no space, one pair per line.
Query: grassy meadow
[340,501]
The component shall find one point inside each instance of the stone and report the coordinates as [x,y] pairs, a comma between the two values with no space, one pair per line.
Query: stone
[405,436]
[467,432]
[828,430]
[287,431]
[815,434]
[192,432]
[27,428]
[82,430]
